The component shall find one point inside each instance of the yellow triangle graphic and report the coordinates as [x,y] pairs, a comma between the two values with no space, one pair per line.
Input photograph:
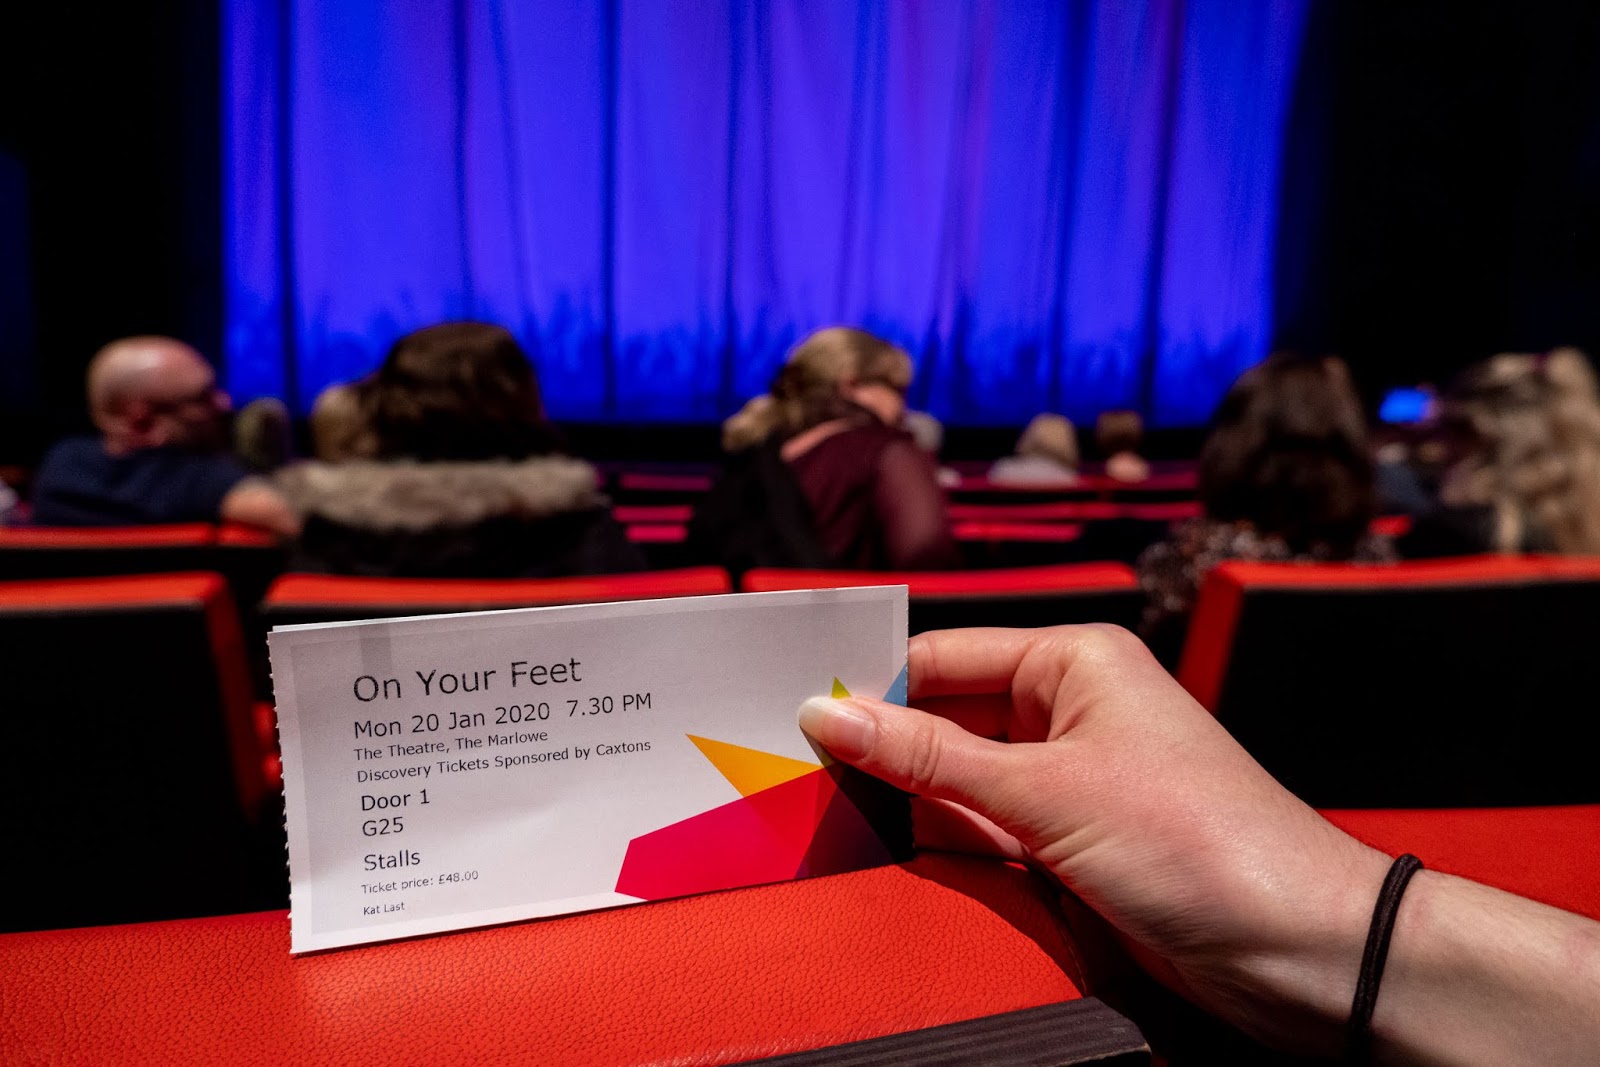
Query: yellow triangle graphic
[748,770]
[839,691]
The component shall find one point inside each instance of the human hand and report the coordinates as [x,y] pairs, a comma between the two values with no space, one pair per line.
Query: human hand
[1073,748]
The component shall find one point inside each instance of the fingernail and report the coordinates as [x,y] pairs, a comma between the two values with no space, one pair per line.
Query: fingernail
[842,729]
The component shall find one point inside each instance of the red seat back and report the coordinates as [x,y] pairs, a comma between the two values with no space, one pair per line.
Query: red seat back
[248,558]
[175,535]
[128,705]
[297,598]
[1162,485]
[664,545]
[1075,511]
[1453,683]
[681,486]
[1015,596]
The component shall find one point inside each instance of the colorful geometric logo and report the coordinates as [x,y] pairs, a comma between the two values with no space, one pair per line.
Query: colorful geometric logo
[793,819]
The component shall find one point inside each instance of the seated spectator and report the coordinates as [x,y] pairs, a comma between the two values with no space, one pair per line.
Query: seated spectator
[8,503]
[928,432]
[1047,452]
[925,429]
[338,425]
[1523,436]
[466,479]
[832,479]
[1285,475]
[263,434]
[1119,434]
[160,456]
[747,427]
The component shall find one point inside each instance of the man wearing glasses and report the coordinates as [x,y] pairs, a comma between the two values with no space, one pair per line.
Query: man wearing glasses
[161,455]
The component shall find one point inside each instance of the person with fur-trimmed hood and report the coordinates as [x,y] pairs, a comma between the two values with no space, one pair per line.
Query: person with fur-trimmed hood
[462,475]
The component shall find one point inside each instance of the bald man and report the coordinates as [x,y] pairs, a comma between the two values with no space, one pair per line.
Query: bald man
[160,455]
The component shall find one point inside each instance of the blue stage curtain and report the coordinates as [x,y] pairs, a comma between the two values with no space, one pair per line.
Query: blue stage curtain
[1052,206]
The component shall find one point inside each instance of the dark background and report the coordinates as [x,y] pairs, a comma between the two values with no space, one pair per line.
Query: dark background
[110,112]
[1441,199]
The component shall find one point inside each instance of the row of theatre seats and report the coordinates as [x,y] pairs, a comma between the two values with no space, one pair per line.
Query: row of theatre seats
[995,524]
[1436,707]
[630,484]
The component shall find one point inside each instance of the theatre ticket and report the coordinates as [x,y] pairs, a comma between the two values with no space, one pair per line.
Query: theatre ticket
[453,771]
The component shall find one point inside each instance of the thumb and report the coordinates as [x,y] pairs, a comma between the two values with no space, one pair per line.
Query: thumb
[914,751]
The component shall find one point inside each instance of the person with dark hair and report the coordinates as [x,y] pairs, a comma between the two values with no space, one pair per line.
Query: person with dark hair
[823,474]
[1119,436]
[465,476]
[1285,474]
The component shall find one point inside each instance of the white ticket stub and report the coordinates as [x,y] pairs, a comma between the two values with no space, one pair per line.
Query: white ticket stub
[463,770]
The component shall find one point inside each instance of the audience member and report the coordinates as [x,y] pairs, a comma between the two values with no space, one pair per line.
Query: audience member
[928,432]
[1284,475]
[834,480]
[1523,436]
[749,426]
[160,456]
[925,429]
[263,435]
[465,479]
[1119,436]
[8,503]
[1047,452]
[1071,749]
[339,425]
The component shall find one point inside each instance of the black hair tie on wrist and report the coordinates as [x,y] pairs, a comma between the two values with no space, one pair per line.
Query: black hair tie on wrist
[1358,1044]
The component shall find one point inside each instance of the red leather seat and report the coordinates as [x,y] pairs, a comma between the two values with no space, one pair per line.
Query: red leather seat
[989,545]
[652,514]
[1063,531]
[1453,683]
[1017,596]
[1549,854]
[298,598]
[28,552]
[977,488]
[1074,511]
[680,487]
[710,979]
[248,558]
[1162,485]
[137,778]
[664,545]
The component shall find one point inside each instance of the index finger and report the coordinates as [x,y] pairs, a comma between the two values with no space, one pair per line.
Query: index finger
[966,662]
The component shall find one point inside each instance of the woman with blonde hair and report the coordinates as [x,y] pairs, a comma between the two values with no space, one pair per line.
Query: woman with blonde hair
[827,476]
[1524,431]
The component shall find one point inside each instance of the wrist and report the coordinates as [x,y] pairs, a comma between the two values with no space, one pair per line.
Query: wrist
[1298,984]
[1480,976]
